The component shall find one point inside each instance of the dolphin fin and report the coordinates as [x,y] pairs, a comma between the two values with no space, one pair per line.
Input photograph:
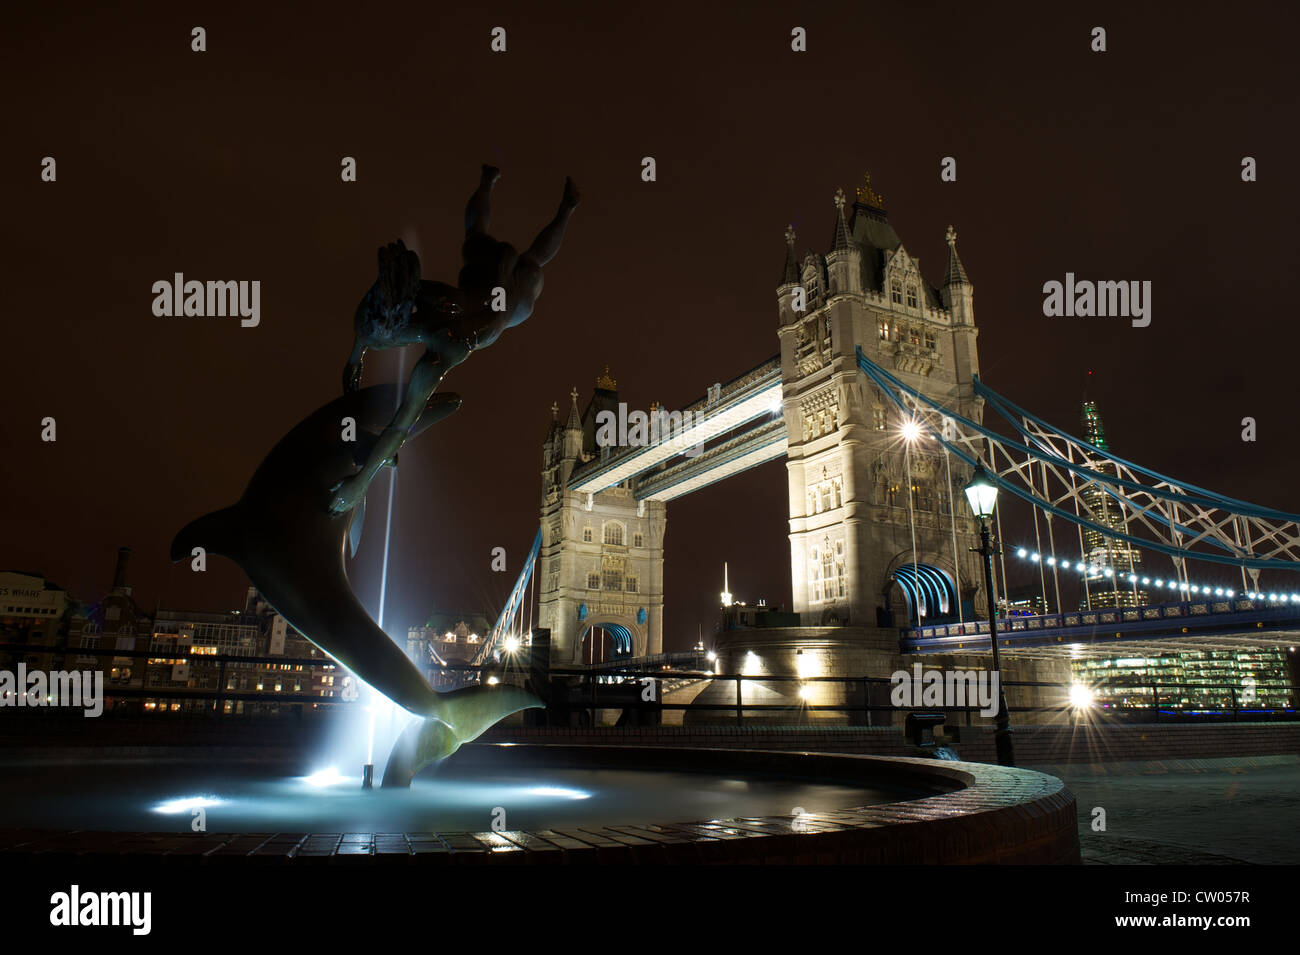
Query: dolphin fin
[355,527]
[461,716]
[216,533]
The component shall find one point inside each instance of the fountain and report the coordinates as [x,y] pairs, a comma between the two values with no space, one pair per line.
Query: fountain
[290,532]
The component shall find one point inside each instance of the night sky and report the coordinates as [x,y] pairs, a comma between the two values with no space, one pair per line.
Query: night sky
[225,165]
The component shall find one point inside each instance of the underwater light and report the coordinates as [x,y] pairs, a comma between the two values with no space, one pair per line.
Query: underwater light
[559,792]
[186,804]
[325,777]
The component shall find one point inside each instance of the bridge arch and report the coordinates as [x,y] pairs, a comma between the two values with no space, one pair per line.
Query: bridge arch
[927,590]
[625,639]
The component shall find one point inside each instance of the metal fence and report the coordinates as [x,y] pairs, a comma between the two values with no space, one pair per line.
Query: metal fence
[574,689]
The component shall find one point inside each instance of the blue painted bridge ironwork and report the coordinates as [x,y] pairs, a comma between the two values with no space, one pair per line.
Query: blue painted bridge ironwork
[1193,621]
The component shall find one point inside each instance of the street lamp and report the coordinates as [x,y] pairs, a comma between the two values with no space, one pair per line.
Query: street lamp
[982,494]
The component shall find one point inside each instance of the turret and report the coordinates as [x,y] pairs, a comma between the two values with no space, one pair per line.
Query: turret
[789,282]
[958,293]
[844,262]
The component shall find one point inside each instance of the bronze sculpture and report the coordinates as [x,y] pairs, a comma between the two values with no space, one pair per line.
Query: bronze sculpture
[496,290]
[290,529]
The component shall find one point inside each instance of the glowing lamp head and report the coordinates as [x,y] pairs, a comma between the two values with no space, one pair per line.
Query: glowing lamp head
[511,644]
[911,431]
[982,493]
[1080,697]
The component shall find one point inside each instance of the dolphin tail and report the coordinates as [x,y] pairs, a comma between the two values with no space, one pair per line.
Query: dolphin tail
[216,533]
[459,717]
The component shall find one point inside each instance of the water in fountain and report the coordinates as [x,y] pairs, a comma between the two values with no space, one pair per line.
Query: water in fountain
[369,724]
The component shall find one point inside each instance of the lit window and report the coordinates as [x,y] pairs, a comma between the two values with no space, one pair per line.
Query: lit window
[883,327]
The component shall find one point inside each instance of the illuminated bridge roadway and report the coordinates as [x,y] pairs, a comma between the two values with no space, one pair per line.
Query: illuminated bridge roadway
[1194,625]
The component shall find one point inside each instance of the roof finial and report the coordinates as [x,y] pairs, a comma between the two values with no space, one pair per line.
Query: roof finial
[956,274]
[841,241]
[574,394]
[791,274]
[868,196]
[606,382]
[555,411]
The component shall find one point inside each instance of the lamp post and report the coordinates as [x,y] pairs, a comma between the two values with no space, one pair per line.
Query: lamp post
[982,494]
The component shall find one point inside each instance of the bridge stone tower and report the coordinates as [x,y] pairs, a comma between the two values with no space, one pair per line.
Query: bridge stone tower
[849,459]
[602,558]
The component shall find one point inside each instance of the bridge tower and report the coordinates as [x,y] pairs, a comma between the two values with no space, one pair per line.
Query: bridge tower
[849,460]
[601,563]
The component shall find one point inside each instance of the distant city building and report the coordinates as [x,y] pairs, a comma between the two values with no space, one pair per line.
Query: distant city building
[114,623]
[1023,601]
[1110,561]
[173,651]
[35,614]
[1192,679]
[448,638]
[741,616]
[185,644]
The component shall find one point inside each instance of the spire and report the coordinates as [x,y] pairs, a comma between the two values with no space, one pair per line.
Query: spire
[1094,432]
[956,274]
[791,276]
[575,423]
[841,241]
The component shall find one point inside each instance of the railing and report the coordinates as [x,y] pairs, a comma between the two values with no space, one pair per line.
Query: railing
[591,691]
[618,686]
[1110,616]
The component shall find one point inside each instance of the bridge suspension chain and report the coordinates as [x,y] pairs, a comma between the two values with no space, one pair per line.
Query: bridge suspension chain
[1179,519]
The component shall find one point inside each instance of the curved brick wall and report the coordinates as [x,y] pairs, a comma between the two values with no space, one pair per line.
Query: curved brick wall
[977,814]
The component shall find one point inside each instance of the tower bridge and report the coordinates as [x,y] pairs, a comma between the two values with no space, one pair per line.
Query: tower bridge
[875,403]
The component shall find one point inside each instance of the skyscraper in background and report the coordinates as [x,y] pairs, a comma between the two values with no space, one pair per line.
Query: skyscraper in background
[1110,560]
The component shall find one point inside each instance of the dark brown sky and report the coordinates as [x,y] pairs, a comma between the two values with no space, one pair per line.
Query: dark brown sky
[225,165]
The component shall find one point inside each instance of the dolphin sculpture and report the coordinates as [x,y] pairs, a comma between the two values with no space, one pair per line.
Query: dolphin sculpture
[284,537]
